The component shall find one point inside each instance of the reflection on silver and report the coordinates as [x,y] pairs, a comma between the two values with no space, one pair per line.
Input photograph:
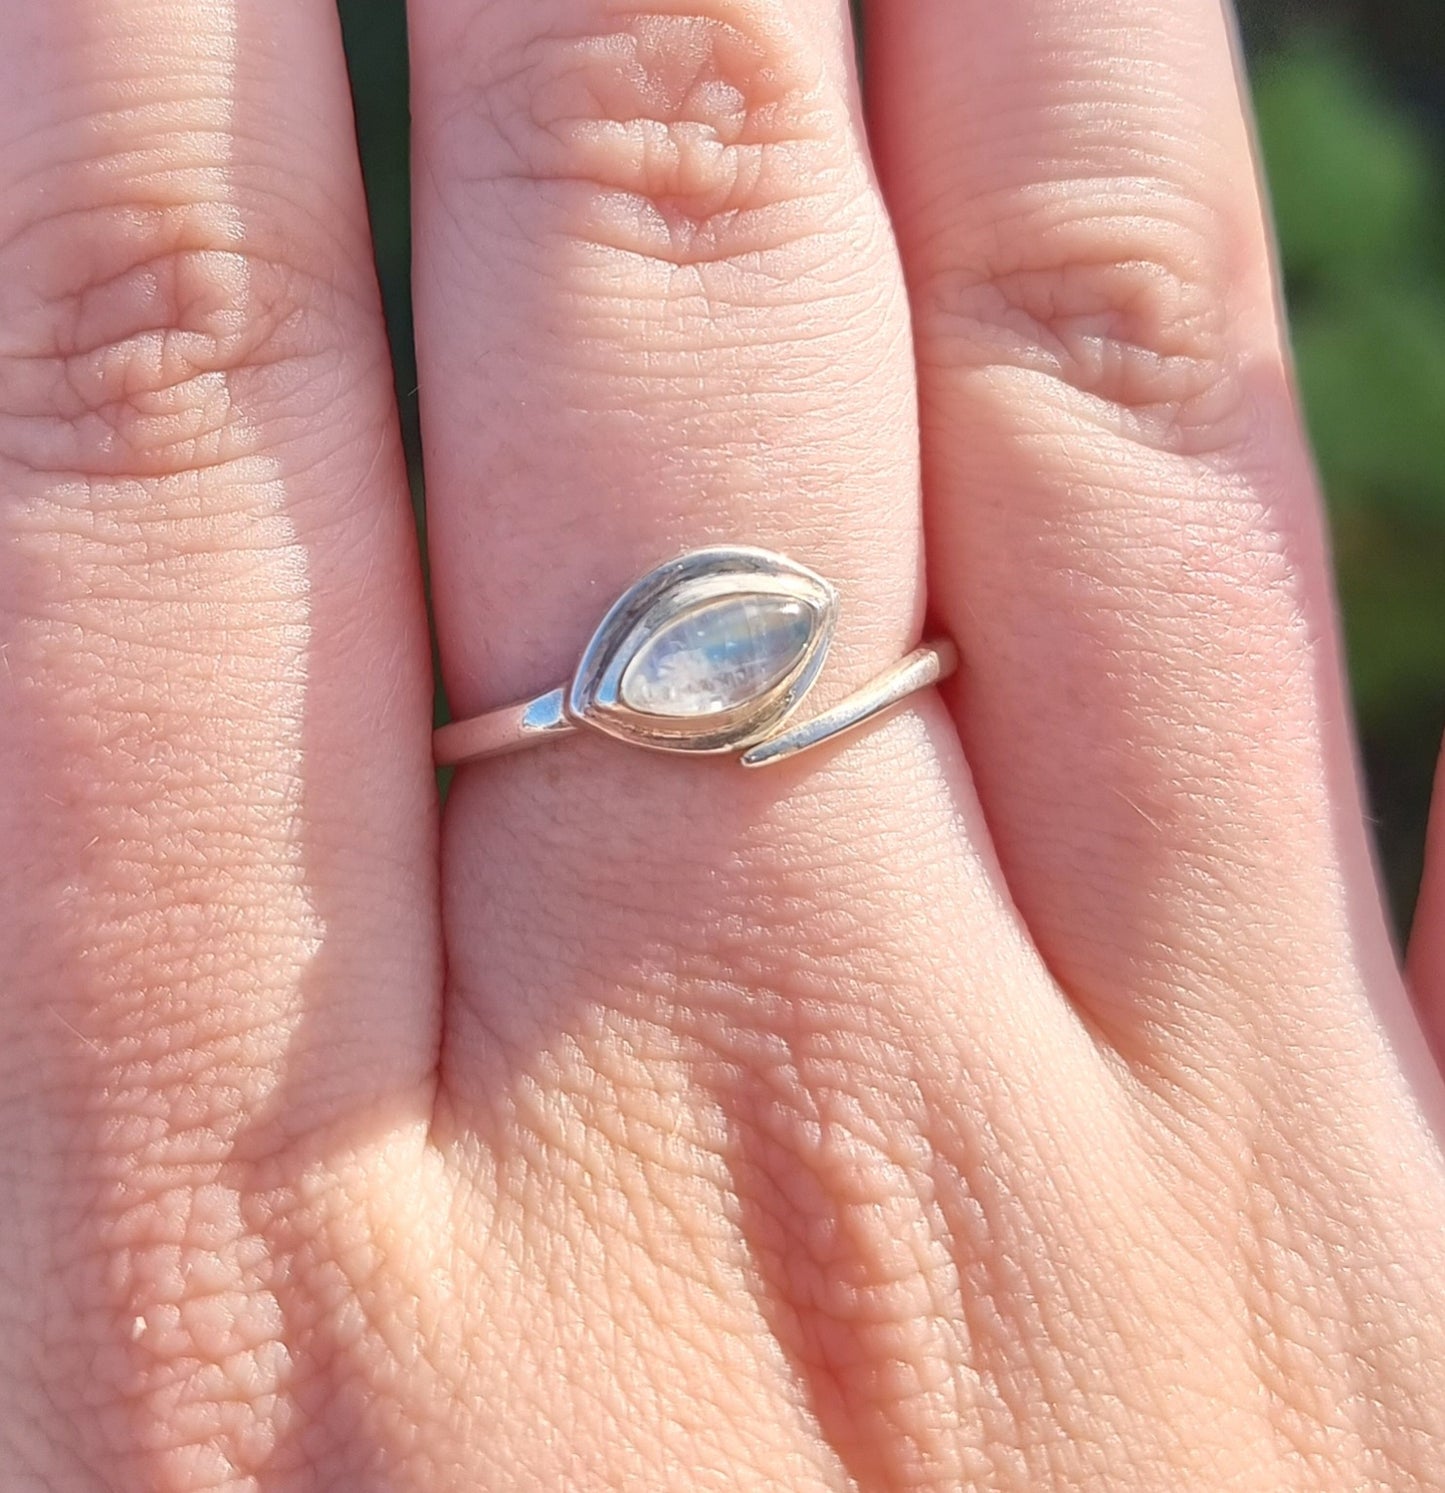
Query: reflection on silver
[923,667]
[712,652]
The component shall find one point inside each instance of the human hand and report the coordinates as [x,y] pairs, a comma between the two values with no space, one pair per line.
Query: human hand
[1020,1095]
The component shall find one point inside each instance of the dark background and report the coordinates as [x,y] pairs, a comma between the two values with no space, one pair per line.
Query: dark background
[1350,96]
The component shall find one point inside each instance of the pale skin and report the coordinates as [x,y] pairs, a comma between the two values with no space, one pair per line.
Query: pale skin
[1022,1095]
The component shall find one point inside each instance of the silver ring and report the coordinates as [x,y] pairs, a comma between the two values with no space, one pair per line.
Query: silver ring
[711,652]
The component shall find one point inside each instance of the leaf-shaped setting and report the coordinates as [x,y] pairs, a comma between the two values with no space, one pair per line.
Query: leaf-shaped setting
[708,653]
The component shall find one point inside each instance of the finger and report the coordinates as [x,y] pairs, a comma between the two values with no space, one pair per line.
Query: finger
[658,307]
[1427,936]
[214,827]
[1123,527]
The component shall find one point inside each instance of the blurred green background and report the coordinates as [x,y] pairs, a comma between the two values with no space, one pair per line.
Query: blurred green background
[1350,97]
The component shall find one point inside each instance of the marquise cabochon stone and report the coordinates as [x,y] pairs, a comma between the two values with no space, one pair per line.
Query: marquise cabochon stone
[718,656]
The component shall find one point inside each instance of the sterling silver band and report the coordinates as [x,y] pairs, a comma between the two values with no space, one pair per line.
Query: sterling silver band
[709,653]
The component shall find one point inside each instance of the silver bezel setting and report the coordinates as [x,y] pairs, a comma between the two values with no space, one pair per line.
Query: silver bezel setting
[594,697]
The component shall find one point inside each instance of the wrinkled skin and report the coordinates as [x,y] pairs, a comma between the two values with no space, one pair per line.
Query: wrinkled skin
[1022,1095]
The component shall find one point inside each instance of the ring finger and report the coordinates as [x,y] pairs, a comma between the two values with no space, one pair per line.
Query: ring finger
[658,307]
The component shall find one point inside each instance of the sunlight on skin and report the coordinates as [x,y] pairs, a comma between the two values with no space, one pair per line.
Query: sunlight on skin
[152,563]
[162,477]
[810,1129]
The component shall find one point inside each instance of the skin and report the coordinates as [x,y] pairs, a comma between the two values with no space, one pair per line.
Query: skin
[1021,1095]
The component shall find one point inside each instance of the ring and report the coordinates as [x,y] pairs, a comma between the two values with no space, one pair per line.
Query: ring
[711,652]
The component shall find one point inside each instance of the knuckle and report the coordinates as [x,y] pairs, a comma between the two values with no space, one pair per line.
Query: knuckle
[1125,302]
[147,339]
[683,134]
